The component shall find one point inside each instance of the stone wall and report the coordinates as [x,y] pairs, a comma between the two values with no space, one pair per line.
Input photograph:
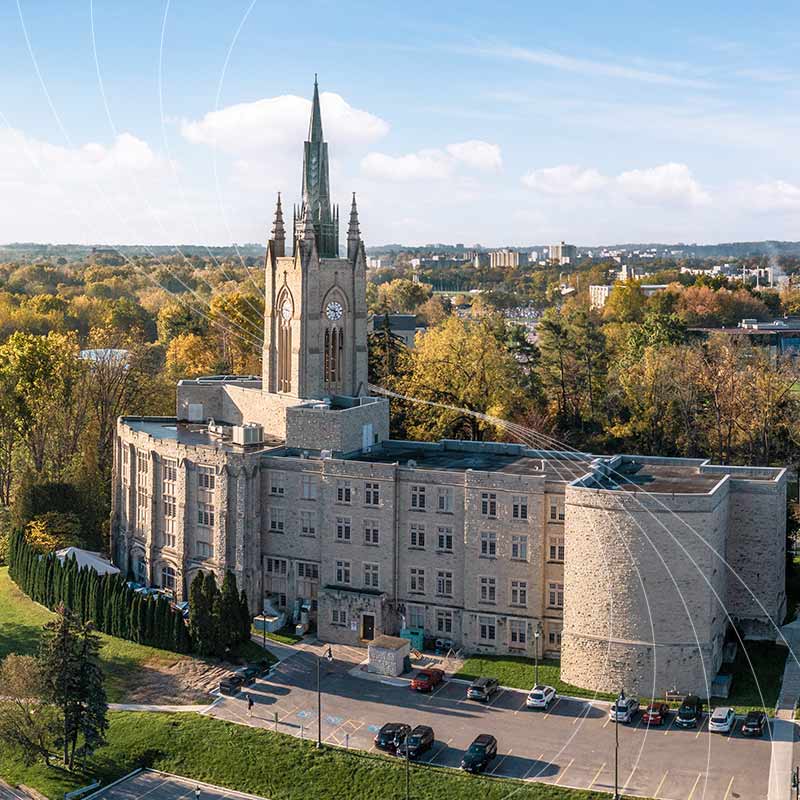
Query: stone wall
[339,430]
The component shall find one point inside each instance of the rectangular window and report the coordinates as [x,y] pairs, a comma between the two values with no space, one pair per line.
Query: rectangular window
[344,492]
[141,507]
[416,616]
[445,539]
[277,520]
[488,587]
[416,533]
[169,538]
[206,479]
[277,484]
[142,462]
[343,529]
[417,498]
[444,621]
[308,523]
[372,532]
[277,566]
[555,595]
[517,633]
[556,510]
[519,593]
[205,515]
[309,487]
[445,500]
[206,482]
[338,617]
[554,638]
[308,570]
[343,572]
[444,583]
[416,582]
[519,547]
[170,470]
[488,544]
[556,548]
[372,575]
[488,504]
[372,494]
[205,550]
[487,627]
[519,507]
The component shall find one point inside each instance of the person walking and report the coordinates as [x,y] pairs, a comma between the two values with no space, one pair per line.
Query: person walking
[250,705]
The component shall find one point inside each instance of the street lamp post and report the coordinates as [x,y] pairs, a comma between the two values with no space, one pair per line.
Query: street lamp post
[796,782]
[620,698]
[328,656]
[536,636]
[408,769]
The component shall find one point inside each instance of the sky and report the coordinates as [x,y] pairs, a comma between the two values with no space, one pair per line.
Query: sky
[503,123]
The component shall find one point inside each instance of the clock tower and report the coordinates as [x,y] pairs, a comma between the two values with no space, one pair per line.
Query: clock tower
[315,317]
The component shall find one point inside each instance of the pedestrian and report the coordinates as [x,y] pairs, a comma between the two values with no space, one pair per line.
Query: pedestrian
[249,705]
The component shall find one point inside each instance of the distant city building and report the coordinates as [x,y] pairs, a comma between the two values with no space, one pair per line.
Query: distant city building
[403,326]
[561,253]
[507,259]
[598,295]
[375,263]
[780,337]
[480,260]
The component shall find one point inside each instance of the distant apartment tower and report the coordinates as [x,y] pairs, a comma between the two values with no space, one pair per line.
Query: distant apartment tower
[507,259]
[598,295]
[562,253]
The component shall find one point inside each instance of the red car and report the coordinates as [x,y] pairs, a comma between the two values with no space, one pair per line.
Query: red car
[655,714]
[427,679]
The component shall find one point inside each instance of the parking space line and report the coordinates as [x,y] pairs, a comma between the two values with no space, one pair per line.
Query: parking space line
[552,707]
[436,754]
[625,787]
[700,729]
[499,695]
[583,714]
[606,723]
[497,766]
[436,690]
[597,775]
[522,704]
[728,790]
[530,769]
[671,723]
[697,780]
[660,784]
[564,771]
[731,731]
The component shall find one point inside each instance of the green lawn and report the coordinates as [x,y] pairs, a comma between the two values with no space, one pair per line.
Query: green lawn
[767,659]
[272,765]
[285,635]
[792,587]
[518,673]
[21,622]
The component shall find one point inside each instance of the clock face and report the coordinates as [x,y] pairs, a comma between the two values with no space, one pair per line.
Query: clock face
[334,310]
[286,310]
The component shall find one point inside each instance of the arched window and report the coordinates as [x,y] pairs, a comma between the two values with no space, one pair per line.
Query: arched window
[285,314]
[333,344]
[168,577]
[139,568]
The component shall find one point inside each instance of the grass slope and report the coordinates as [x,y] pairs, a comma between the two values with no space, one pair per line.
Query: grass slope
[272,765]
[21,622]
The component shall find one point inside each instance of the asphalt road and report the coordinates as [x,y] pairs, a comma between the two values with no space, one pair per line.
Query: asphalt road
[572,744]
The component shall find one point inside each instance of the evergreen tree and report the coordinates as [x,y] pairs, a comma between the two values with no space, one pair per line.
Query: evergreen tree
[149,632]
[180,634]
[229,619]
[245,618]
[200,611]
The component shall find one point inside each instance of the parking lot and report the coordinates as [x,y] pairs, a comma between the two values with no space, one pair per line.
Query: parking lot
[571,744]
[156,785]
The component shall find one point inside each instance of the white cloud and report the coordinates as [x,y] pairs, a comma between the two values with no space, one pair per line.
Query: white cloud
[279,123]
[477,154]
[564,179]
[433,163]
[668,183]
[771,196]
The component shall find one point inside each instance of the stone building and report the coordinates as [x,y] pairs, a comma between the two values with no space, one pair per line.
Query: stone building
[290,480]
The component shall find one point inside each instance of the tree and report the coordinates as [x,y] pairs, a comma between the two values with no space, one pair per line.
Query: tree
[230,613]
[177,318]
[27,723]
[402,295]
[190,355]
[73,682]
[625,303]
[245,616]
[200,615]
[53,531]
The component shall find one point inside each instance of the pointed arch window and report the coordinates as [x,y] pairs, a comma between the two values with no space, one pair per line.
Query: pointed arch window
[333,344]
[285,314]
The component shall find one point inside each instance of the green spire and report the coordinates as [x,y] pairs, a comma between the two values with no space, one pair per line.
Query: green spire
[315,125]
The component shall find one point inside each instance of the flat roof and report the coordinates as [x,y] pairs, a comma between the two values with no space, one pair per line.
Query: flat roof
[640,476]
[189,433]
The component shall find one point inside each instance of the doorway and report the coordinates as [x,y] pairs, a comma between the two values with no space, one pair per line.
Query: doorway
[368,627]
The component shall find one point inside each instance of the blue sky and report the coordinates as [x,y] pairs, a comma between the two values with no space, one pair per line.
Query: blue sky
[503,123]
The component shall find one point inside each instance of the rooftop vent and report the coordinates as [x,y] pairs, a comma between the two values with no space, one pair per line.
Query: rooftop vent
[249,433]
[326,454]
[412,464]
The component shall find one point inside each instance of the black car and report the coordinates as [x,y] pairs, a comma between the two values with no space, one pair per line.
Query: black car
[390,735]
[230,685]
[690,712]
[482,689]
[755,723]
[263,666]
[419,740]
[247,675]
[480,753]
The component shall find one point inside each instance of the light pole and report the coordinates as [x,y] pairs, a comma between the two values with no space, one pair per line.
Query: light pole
[619,699]
[328,656]
[536,636]
[408,768]
[796,782]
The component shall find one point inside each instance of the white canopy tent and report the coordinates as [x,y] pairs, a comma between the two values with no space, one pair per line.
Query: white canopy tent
[85,558]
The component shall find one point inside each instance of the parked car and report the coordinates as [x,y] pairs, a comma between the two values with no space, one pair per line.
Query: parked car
[482,689]
[427,679]
[722,720]
[390,735]
[230,685]
[623,709]
[419,741]
[480,753]
[541,696]
[655,714]
[248,674]
[755,723]
[690,712]
[263,666]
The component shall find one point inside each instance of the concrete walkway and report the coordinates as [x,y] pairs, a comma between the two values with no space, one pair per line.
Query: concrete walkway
[783,729]
[156,707]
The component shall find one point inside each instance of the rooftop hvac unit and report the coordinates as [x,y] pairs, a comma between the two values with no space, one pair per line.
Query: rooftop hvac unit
[249,433]
[326,454]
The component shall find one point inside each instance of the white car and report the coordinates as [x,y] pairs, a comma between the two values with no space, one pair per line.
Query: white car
[623,709]
[541,696]
[722,720]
